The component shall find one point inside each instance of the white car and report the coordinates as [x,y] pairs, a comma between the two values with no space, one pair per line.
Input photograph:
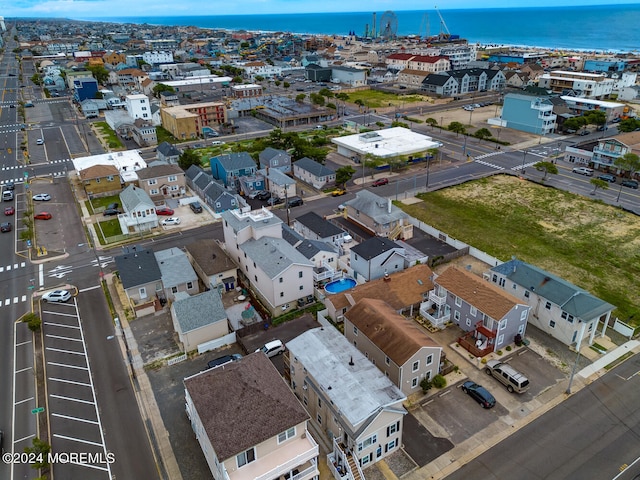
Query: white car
[40,141]
[272,349]
[56,296]
[170,221]
[42,197]
[583,171]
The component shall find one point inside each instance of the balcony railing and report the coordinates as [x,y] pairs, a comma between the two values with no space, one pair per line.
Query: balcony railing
[289,465]
[437,298]
[436,318]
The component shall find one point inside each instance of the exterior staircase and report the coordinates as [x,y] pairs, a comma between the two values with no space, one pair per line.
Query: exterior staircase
[355,468]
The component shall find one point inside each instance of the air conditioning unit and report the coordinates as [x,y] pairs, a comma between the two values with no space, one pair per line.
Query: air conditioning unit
[304,387]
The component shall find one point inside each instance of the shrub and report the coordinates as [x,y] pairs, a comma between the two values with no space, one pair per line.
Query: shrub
[439,381]
[499,352]
[483,361]
[33,321]
[426,385]
[508,349]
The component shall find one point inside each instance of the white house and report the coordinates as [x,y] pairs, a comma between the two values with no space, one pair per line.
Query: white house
[138,106]
[139,211]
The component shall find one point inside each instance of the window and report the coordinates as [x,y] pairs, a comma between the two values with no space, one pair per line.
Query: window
[319,402]
[500,339]
[393,428]
[109,178]
[255,277]
[501,282]
[173,178]
[154,191]
[301,287]
[391,445]
[473,311]
[547,305]
[281,294]
[367,442]
[414,382]
[387,361]
[458,302]
[284,436]
[514,286]
[174,188]
[456,315]
[246,457]
[503,324]
[280,279]
[299,274]
[153,181]
[319,419]
[415,366]
[189,285]
[429,360]
[305,400]
[523,315]
[552,324]
[174,289]
[355,330]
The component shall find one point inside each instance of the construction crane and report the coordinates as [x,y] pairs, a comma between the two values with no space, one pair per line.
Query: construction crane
[444,30]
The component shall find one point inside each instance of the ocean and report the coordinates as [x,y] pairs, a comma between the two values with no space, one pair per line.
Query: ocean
[593,28]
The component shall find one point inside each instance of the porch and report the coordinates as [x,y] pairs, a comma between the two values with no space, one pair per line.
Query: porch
[479,342]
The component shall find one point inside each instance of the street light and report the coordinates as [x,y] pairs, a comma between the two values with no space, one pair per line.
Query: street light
[619,193]
[524,156]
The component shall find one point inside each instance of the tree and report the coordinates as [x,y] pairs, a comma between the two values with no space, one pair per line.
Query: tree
[40,452]
[33,321]
[431,121]
[547,168]
[457,128]
[237,79]
[161,87]
[300,97]
[629,162]
[342,96]
[598,184]
[344,174]
[317,99]
[483,134]
[258,78]
[189,157]
[325,92]
[100,73]
[596,117]
[286,85]
[574,123]
[35,78]
[628,125]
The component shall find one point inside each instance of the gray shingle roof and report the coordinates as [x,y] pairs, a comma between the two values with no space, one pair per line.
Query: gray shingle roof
[290,235]
[313,167]
[243,404]
[376,207]
[175,267]
[160,171]
[198,311]
[277,177]
[309,248]
[572,299]
[209,256]
[236,161]
[132,197]
[273,255]
[318,225]
[168,150]
[137,268]
[373,247]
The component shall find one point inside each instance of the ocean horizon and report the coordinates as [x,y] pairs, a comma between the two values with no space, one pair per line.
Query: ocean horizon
[585,28]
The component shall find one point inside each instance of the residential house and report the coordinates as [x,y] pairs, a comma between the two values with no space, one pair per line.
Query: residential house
[229,167]
[357,408]
[162,182]
[491,317]
[274,269]
[377,257]
[412,78]
[138,106]
[314,227]
[100,180]
[404,291]
[528,113]
[212,264]
[354,77]
[190,121]
[177,274]
[610,149]
[313,173]
[139,210]
[566,312]
[268,440]
[440,84]
[143,132]
[90,108]
[323,256]
[583,84]
[378,216]
[395,344]
[278,183]
[84,88]
[213,193]
[273,158]
[168,152]
[199,319]
[141,280]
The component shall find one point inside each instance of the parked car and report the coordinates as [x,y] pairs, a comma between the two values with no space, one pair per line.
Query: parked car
[479,394]
[570,130]
[584,132]
[337,192]
[274,200]
[583,171]
[5,227]
[9,186]
[40,141]
[109,212]
[170,221]
[42,197]
[43,216]
[56,296]
[9,211]
[379,182]
[271,349]
[508,376]
[607,177]
[113,205]
[263,195]
[294,202]
[630,183]
[164,211]
[223,360]
[195,207]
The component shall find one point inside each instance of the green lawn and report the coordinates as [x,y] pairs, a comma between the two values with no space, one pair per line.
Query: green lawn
[101,202]
[112,139]
[377,99]
[588,243]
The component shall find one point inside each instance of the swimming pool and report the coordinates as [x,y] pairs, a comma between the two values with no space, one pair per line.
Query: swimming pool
[341,285]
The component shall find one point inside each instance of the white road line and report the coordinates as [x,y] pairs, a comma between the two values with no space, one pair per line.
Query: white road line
[65,365]
[24,298]
[28,342]
[71,399]
[89,288]
[24,438]
[23,264]
[7,302]
[58,313]
[63,338]
[89,465]
[25,400]
[62,380]
[77,440]
[15,265]
[62,325]
[76,419]
[59,350]
[41,274]
[15,299]
[24,369]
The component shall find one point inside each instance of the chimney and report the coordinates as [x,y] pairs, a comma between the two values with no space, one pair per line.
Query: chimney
[351,364]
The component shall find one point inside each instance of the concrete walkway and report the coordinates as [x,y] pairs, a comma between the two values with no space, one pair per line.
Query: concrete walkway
[597,368]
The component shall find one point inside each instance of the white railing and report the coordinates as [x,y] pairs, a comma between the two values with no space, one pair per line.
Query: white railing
[439,321]
[294,462]
[312,470]
[437,298]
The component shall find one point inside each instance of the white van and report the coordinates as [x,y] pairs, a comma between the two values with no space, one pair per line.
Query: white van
[217,142]
[271,349]
[7,195]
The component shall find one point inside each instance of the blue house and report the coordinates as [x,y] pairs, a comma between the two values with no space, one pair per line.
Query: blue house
[229,167]
[213,193]
[528,113]
[85,88]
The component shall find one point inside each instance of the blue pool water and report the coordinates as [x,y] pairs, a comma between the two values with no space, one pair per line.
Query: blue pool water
[341,285]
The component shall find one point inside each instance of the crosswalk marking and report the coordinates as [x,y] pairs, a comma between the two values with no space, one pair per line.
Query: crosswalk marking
[497,167]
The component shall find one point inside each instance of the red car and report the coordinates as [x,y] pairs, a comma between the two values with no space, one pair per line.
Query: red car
[42,216]
[9,210]
[164,211]
[380,182]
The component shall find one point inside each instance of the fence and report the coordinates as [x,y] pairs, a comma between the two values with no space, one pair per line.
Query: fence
[178,359]
[218,342]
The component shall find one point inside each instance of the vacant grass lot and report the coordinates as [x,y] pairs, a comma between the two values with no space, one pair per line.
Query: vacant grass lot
[377,99]
[588,243]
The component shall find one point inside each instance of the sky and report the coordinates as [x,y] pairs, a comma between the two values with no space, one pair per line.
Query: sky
[75,9]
